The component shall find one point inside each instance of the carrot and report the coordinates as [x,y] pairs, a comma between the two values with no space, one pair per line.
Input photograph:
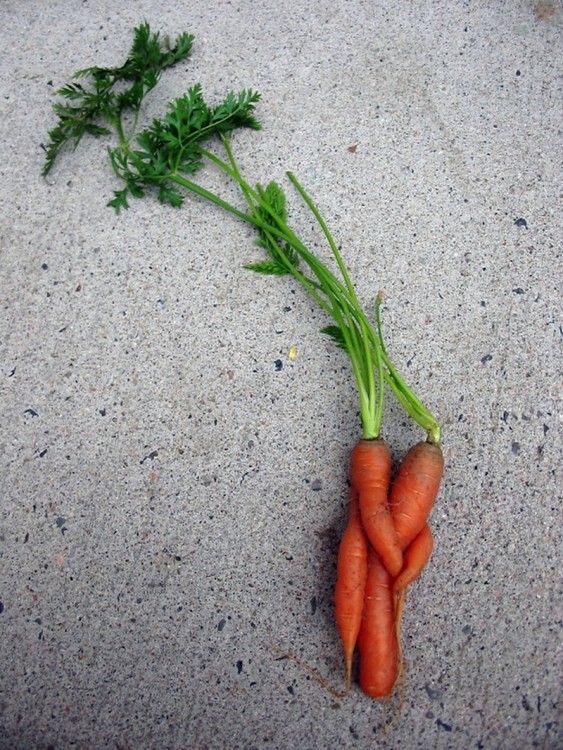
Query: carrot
[350,583]
[370,472]
[377,641]
[173,149]
[416,556]
[414,490]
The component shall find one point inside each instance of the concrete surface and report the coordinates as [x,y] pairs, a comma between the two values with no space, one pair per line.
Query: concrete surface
[171,499]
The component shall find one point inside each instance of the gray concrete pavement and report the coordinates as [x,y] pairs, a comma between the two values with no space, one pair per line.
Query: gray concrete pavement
[173,484]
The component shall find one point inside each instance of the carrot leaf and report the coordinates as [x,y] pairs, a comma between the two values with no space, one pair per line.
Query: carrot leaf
[165,156]
[107,93]
[268,267]
[335,333]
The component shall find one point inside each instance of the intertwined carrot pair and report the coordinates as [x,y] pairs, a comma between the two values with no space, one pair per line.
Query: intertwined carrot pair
[386,544]
[387,541]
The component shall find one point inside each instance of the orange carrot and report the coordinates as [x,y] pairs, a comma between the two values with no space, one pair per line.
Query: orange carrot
[370,472]
[414,490]
[351,582]
[377,641]
[416,556]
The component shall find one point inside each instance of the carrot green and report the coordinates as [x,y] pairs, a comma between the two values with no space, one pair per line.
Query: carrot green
[164,157]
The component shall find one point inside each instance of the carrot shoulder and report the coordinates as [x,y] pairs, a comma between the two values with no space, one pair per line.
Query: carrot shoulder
[414,490]
[377,642]
[370,473]
[350,583]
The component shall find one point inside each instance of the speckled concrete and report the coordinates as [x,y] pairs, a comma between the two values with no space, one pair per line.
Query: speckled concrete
[171,497]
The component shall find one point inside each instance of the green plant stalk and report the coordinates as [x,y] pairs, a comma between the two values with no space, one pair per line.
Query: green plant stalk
[371,414]
[363,345]
[374,339]
[408,399]
[344,306]
[370,364]
[160,164]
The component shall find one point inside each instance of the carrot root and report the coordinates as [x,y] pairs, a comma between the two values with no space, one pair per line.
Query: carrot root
[370,473]
[378,643]
[416,556]
[350,583]
[386,545]
[414,490]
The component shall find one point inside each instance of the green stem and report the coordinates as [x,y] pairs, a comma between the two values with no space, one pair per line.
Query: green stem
[406,396]
[250,219]
[365,347]
[338,299]
[364,338]
[212,197]
[344,303]
[331,287]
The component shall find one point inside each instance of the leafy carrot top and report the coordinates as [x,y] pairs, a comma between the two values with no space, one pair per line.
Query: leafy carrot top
[163,158]
[104,95]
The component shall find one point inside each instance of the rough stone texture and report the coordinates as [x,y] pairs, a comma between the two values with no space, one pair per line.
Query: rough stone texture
[171,498]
